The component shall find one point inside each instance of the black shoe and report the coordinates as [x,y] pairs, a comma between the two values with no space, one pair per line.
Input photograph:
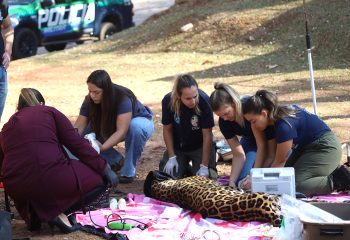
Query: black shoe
[117,166]
[57,222]
[72,219]
[341,178]
[124,180]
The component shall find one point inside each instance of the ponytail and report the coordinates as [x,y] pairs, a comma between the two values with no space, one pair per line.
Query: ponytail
[225,94]
[182,81]
[264,99]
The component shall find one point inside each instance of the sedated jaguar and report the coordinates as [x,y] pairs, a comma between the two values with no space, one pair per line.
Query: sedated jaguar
[212,200]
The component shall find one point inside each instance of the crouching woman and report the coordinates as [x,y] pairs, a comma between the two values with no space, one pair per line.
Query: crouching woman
[43,182]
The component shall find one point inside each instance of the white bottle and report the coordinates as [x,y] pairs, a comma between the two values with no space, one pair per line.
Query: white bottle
[122,204]
[113,204]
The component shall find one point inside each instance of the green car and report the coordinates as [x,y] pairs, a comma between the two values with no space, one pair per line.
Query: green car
[54,23]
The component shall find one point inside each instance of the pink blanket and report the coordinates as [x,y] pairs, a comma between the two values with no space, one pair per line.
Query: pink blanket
[168,221]
[334,197]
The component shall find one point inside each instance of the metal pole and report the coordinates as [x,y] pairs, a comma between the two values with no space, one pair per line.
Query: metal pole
[309,57]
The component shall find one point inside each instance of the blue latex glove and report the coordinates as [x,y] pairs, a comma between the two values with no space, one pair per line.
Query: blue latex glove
[111,176]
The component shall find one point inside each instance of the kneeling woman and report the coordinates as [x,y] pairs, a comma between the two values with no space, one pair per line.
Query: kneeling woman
[302,140]
[44,184]
[115,115]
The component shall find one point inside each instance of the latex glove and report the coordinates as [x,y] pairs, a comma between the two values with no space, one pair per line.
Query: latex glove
[91,137]
[111,176]
[232,184]
[245,183]
[203,171]
[170,165]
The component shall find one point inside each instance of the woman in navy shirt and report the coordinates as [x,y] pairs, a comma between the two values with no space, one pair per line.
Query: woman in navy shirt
[187,130]
[302,140]
[226,103]
[114,114]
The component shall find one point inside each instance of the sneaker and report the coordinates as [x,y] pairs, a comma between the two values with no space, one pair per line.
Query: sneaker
[341,178]
[125,180]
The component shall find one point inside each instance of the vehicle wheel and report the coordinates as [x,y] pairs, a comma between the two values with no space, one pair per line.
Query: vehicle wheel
[25,43]
[79,42]
[107,30]
[55,47]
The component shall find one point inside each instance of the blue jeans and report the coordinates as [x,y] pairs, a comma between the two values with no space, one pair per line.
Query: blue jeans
[249,148]
[140,130]
[3,88]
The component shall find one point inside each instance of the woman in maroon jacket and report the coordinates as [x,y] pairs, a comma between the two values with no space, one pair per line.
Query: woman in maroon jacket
[43,182]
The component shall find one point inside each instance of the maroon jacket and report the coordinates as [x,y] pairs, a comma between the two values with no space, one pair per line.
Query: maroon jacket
[35,169]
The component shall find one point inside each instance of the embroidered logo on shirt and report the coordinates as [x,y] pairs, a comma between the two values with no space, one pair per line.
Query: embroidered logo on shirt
[176,119]
[194,122]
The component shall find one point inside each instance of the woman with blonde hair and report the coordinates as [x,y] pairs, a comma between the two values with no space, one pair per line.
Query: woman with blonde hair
[226,103]
[187,130]
[43,182]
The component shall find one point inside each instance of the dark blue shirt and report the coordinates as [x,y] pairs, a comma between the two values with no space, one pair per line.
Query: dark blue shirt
[187,128]
[231,129]
[125,106]
[303,129]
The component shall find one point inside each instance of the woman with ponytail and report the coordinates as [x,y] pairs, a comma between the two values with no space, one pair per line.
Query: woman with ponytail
[301,140]
[226,104]
[187,130]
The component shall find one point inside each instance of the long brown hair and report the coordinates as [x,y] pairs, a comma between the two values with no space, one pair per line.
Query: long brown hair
[264,99]
[103,116]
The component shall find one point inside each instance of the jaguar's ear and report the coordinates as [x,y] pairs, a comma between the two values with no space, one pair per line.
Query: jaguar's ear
[157,176]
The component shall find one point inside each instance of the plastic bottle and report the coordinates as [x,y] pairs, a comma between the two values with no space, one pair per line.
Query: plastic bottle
[113,204]
[121,204]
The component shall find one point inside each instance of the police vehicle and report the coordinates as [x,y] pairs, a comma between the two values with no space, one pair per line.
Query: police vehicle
[54,23]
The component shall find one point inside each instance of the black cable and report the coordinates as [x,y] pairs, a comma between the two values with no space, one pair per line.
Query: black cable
[142,225]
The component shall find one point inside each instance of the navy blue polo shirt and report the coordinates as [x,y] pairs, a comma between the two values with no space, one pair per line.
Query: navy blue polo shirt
[125,106]
[303,129]
[187,128]
[230,129]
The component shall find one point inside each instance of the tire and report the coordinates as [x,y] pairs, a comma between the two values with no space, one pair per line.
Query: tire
[79,42]
[55,47]
[107,30]
[25,43]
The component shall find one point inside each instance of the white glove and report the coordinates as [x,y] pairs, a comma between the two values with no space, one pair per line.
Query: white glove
[91,137]
[203,171]
[169,166]
[245,183]
[232,184]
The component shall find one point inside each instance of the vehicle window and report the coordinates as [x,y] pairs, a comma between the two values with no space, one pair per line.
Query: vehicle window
[60,1]
[20,2]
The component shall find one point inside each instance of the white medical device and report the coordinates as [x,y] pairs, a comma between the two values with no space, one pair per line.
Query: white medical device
[273,180]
